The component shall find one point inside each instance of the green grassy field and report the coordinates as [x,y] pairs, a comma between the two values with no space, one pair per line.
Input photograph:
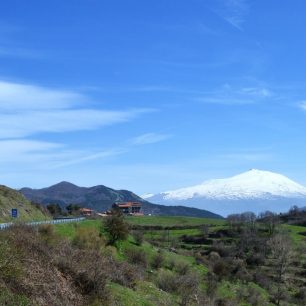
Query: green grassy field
[172,221]
[68,229]
[295,232]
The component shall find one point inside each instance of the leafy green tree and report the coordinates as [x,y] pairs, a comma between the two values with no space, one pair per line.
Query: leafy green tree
[73,209]
[115,226]
[54,209]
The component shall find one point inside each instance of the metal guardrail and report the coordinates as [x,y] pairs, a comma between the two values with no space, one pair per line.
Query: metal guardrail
[35,223]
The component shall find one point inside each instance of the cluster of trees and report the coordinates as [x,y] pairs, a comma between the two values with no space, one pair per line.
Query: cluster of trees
[295,215]
[261,251]
[56,210]
[248,220]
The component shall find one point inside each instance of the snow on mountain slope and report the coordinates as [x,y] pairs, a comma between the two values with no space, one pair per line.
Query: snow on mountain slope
[147,196]
[253,185]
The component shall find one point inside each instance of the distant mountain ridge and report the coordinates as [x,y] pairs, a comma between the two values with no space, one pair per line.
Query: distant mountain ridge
[254,190]
[101,198]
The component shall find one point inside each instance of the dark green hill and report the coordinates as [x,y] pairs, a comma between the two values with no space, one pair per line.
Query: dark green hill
[101,199]
[10,198]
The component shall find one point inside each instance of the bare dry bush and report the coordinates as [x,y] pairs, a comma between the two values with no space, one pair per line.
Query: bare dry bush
[40,280]
[158,260]
[136,256]
[186,286]
[52,274]
[124,274]
[86,270]
[138,236]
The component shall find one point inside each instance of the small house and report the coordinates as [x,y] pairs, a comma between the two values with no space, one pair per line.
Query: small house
[130,208]
[86,212]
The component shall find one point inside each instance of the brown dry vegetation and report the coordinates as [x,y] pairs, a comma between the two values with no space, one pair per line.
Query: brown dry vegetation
[40,268]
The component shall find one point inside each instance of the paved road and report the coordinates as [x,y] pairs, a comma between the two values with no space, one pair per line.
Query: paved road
[35,223]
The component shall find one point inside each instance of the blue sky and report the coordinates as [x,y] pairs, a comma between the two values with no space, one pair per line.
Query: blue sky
[150,95]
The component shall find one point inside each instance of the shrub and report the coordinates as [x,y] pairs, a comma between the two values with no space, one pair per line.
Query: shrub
[211,285]
[138,237]
[10,265]
[157,260]
[88,238]
[185,285]
[124,274]
[136,256]
[221,249]
[225,302]
[171,263]
[87,270]
[182,267]
[46,230]
[109,252]
[220,268]
[255,259]
[188,287]
[167,281]
[8,298]
[214,256]
[300,296]
[47,233]
[252,294]
[36,258]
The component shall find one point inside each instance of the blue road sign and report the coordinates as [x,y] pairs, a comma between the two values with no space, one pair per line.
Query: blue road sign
[14,212]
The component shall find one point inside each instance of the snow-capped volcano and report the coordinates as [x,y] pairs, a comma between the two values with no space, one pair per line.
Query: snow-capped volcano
[263,190]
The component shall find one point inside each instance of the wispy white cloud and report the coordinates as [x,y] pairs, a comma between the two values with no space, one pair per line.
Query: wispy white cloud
[22,124]
[149,138]
[47,155]
[29,109]
[257,92]
[87,156]
[234,12]
[24,151]
[229,95]
[7,147]
[16,96]
[302,105]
